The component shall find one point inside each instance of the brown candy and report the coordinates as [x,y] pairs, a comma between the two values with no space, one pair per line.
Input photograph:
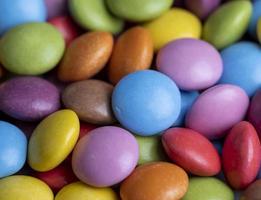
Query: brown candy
[133,51]
[91,100]
[253,192]
[86,56]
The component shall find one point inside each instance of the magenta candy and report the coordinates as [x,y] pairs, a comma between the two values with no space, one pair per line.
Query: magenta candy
[56,7]
[217,109]
[254,114]
[105,156]
[193,64]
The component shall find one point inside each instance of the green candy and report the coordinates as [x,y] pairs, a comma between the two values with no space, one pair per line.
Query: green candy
[93,15]
[228,23]
[31,49]
[150,149]
[139,10]
[208,188]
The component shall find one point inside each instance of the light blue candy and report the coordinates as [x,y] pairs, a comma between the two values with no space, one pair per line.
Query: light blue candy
[13,145]
[15,12]
[146,102]
[242,66]
[256,14]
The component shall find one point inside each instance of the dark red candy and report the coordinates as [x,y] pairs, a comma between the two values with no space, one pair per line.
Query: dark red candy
[86,128]
[192,151]
[241,155]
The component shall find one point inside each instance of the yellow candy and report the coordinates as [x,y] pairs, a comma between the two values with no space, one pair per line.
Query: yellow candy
[174,24]
[259,30]
[24,188]
[80,191]
[53,140]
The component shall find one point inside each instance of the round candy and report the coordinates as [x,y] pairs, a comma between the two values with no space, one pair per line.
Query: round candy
[20,12]
[228,23]
[146,102]
[13,146]
[259,30]
[154,181]
[253,192]
[91,100]
[28,98]
[256,14]
[56,8]
[176,23]
[138,10]
[242,66]
[53,140]
[136,45]
[192,151]
[24,188]
[81,191]
[93,15]
[105,156]
[254,114]
[207,189]
[193,64]
[217,109]
[31,49]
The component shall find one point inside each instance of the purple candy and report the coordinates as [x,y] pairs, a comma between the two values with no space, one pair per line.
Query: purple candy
[193,64]
[105,156]
[202,8]
[28,98]
[217,109]
[56,8]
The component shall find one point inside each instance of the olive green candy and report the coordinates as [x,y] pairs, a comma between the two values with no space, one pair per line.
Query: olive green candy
[208,188]
[139,10]
[228,23]
[31,49]
[93,15]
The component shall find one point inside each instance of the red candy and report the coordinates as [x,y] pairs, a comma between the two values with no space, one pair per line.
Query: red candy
[192,151]
[241,155]
[85,128]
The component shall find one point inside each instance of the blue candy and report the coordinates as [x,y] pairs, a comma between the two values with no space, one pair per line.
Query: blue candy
[242,66]
[256,14]
[15,12]
[13,145]
[146,102]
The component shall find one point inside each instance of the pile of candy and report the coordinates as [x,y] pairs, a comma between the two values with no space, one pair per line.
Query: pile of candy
[130,100]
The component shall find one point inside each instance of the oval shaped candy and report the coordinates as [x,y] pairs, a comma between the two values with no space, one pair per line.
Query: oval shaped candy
[53,140]
[228,23]
[81,191]
[159,180]
[56,8]
[217,109]
[31,49]
[13,147]
[86,56]
[28,98]
[176,23]
[253,191]
[256,14]
[146,102]
[254,114]
[93,15]
[241,155]
[24,187]
[136,45]
[91,100]
[191,151]
[193,64]
[105,156]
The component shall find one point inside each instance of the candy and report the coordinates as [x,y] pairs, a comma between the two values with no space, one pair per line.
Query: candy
[193,64]
[105,156]
[94,15]
[241,155]
[254,114]
[85,56]
[85,128]
[91,100]
[24,187]
[53,140]
[159,180]
[228,23]
[191,151]
[146,102]
[176,23]
[217,109]
[253,192]
[24,101]
[259,30]
[138,10]
[13,146]
[56,8]
[208,188]
[136,45]
[31,49]
[81,191]
[256,14]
